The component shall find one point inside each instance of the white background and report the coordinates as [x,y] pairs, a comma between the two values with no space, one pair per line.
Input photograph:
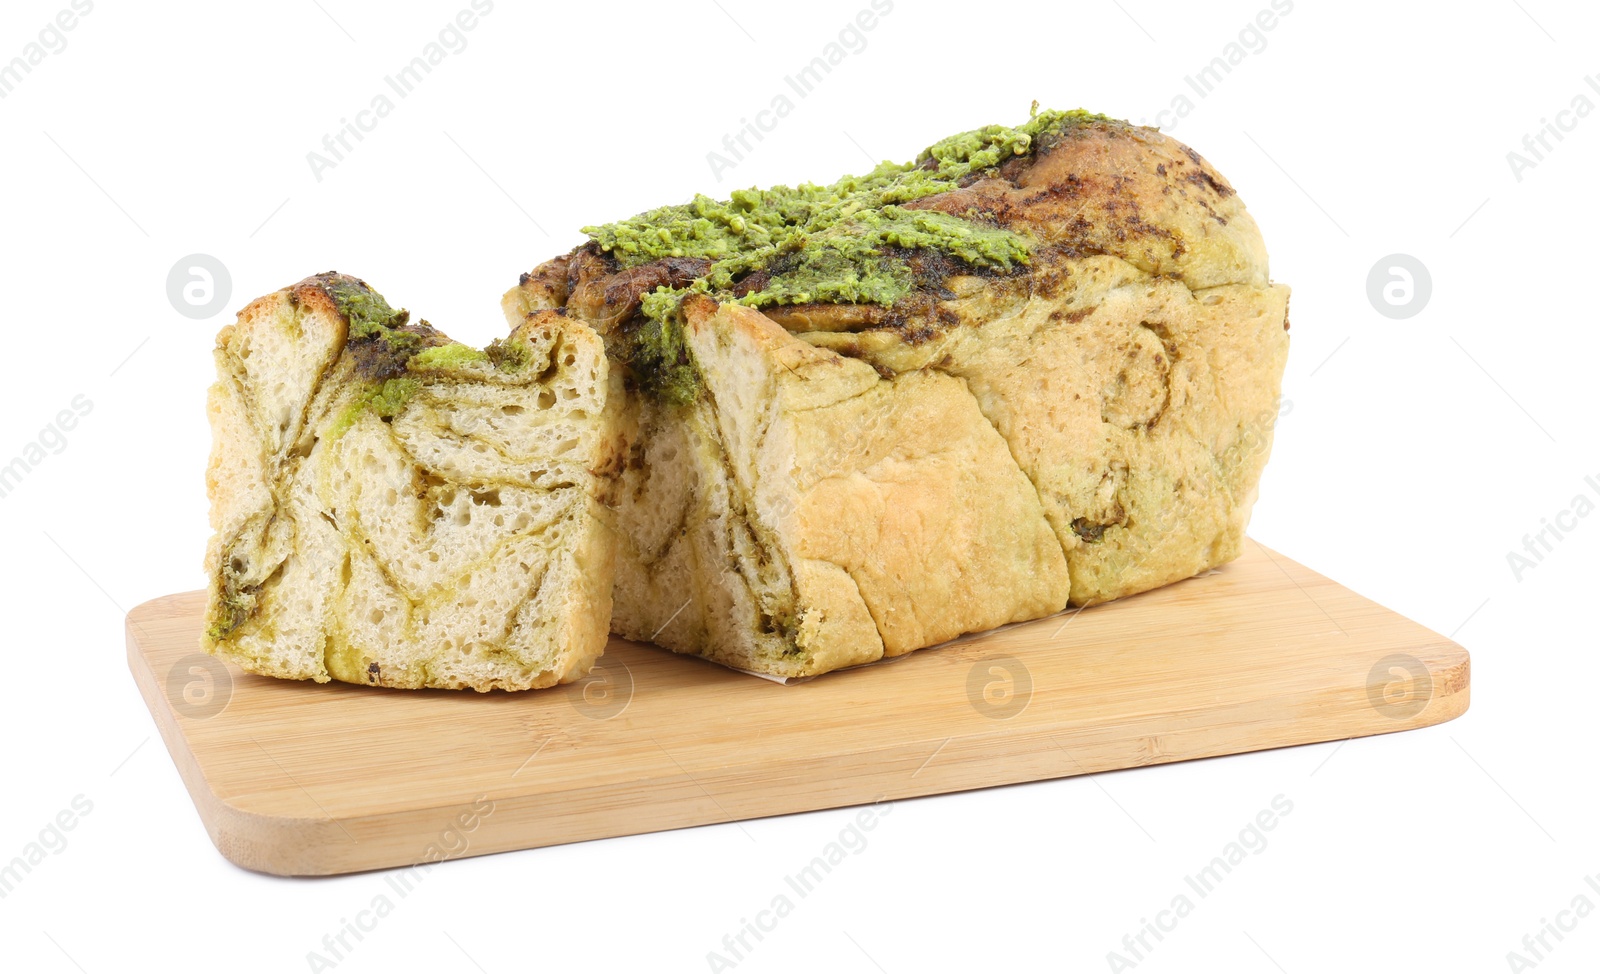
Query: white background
[1416,454]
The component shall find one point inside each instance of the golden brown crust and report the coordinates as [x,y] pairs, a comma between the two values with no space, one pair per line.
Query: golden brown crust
[1127,191]
[544,287]
[828,317]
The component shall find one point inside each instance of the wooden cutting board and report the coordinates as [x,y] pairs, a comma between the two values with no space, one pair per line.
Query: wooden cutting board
[308,779]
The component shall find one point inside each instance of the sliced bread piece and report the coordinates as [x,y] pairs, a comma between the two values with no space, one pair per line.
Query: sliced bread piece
[395,509]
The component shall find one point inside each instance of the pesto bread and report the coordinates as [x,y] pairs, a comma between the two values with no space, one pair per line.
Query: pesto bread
[395,509]
[1036,367]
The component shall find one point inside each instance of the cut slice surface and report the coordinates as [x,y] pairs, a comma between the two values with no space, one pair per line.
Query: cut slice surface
[395,509]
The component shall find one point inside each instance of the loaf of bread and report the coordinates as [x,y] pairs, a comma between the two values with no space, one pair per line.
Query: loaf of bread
[1036,367]
[395,509]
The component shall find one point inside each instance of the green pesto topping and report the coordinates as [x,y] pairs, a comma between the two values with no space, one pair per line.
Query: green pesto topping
[659,356]
[391,397]
[386,347]
[368,313]
[385,399]
[844,242]
[452,356]
[509,355]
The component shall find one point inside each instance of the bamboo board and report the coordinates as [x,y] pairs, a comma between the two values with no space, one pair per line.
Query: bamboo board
[307,779]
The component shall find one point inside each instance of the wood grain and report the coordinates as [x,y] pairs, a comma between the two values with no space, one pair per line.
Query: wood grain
[306,779]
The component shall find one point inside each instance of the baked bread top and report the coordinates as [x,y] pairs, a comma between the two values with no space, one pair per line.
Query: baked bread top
[998,208]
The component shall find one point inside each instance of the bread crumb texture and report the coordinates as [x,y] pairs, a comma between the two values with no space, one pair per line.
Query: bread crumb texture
[391,508]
